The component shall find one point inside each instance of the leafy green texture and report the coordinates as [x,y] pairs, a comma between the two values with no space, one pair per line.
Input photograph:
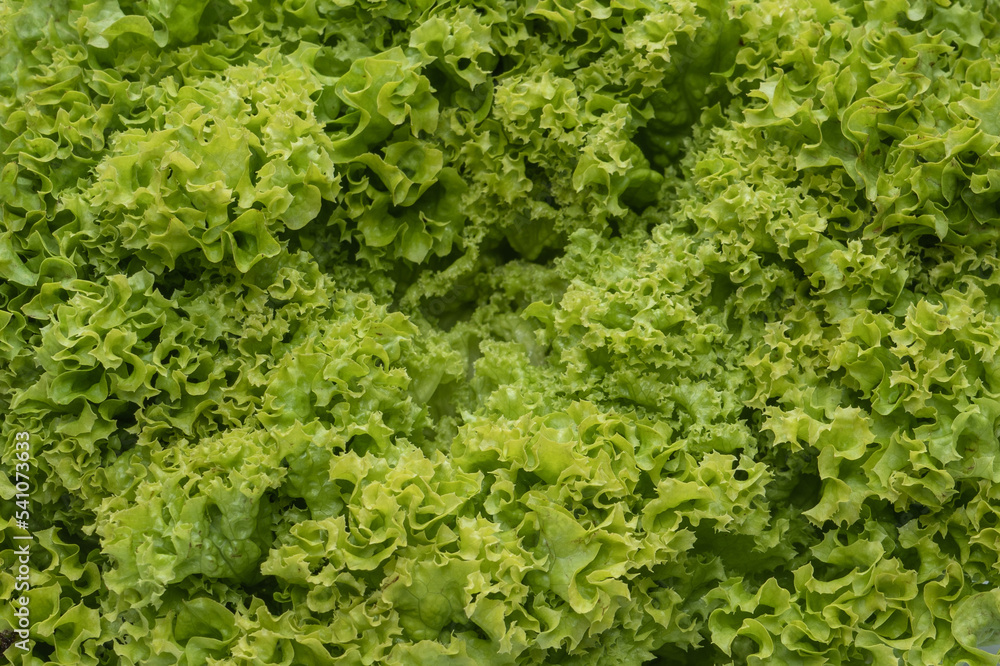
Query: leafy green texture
[549,332]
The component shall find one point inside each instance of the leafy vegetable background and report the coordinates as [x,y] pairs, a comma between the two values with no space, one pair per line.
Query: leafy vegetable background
[549,332]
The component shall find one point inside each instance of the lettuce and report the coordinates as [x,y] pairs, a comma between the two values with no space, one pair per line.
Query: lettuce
[452,333]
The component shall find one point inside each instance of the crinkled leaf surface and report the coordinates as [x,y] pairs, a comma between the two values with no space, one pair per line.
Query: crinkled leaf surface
[459,333]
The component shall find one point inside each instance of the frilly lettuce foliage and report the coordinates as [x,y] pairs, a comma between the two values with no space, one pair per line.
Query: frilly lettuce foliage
[549,332]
